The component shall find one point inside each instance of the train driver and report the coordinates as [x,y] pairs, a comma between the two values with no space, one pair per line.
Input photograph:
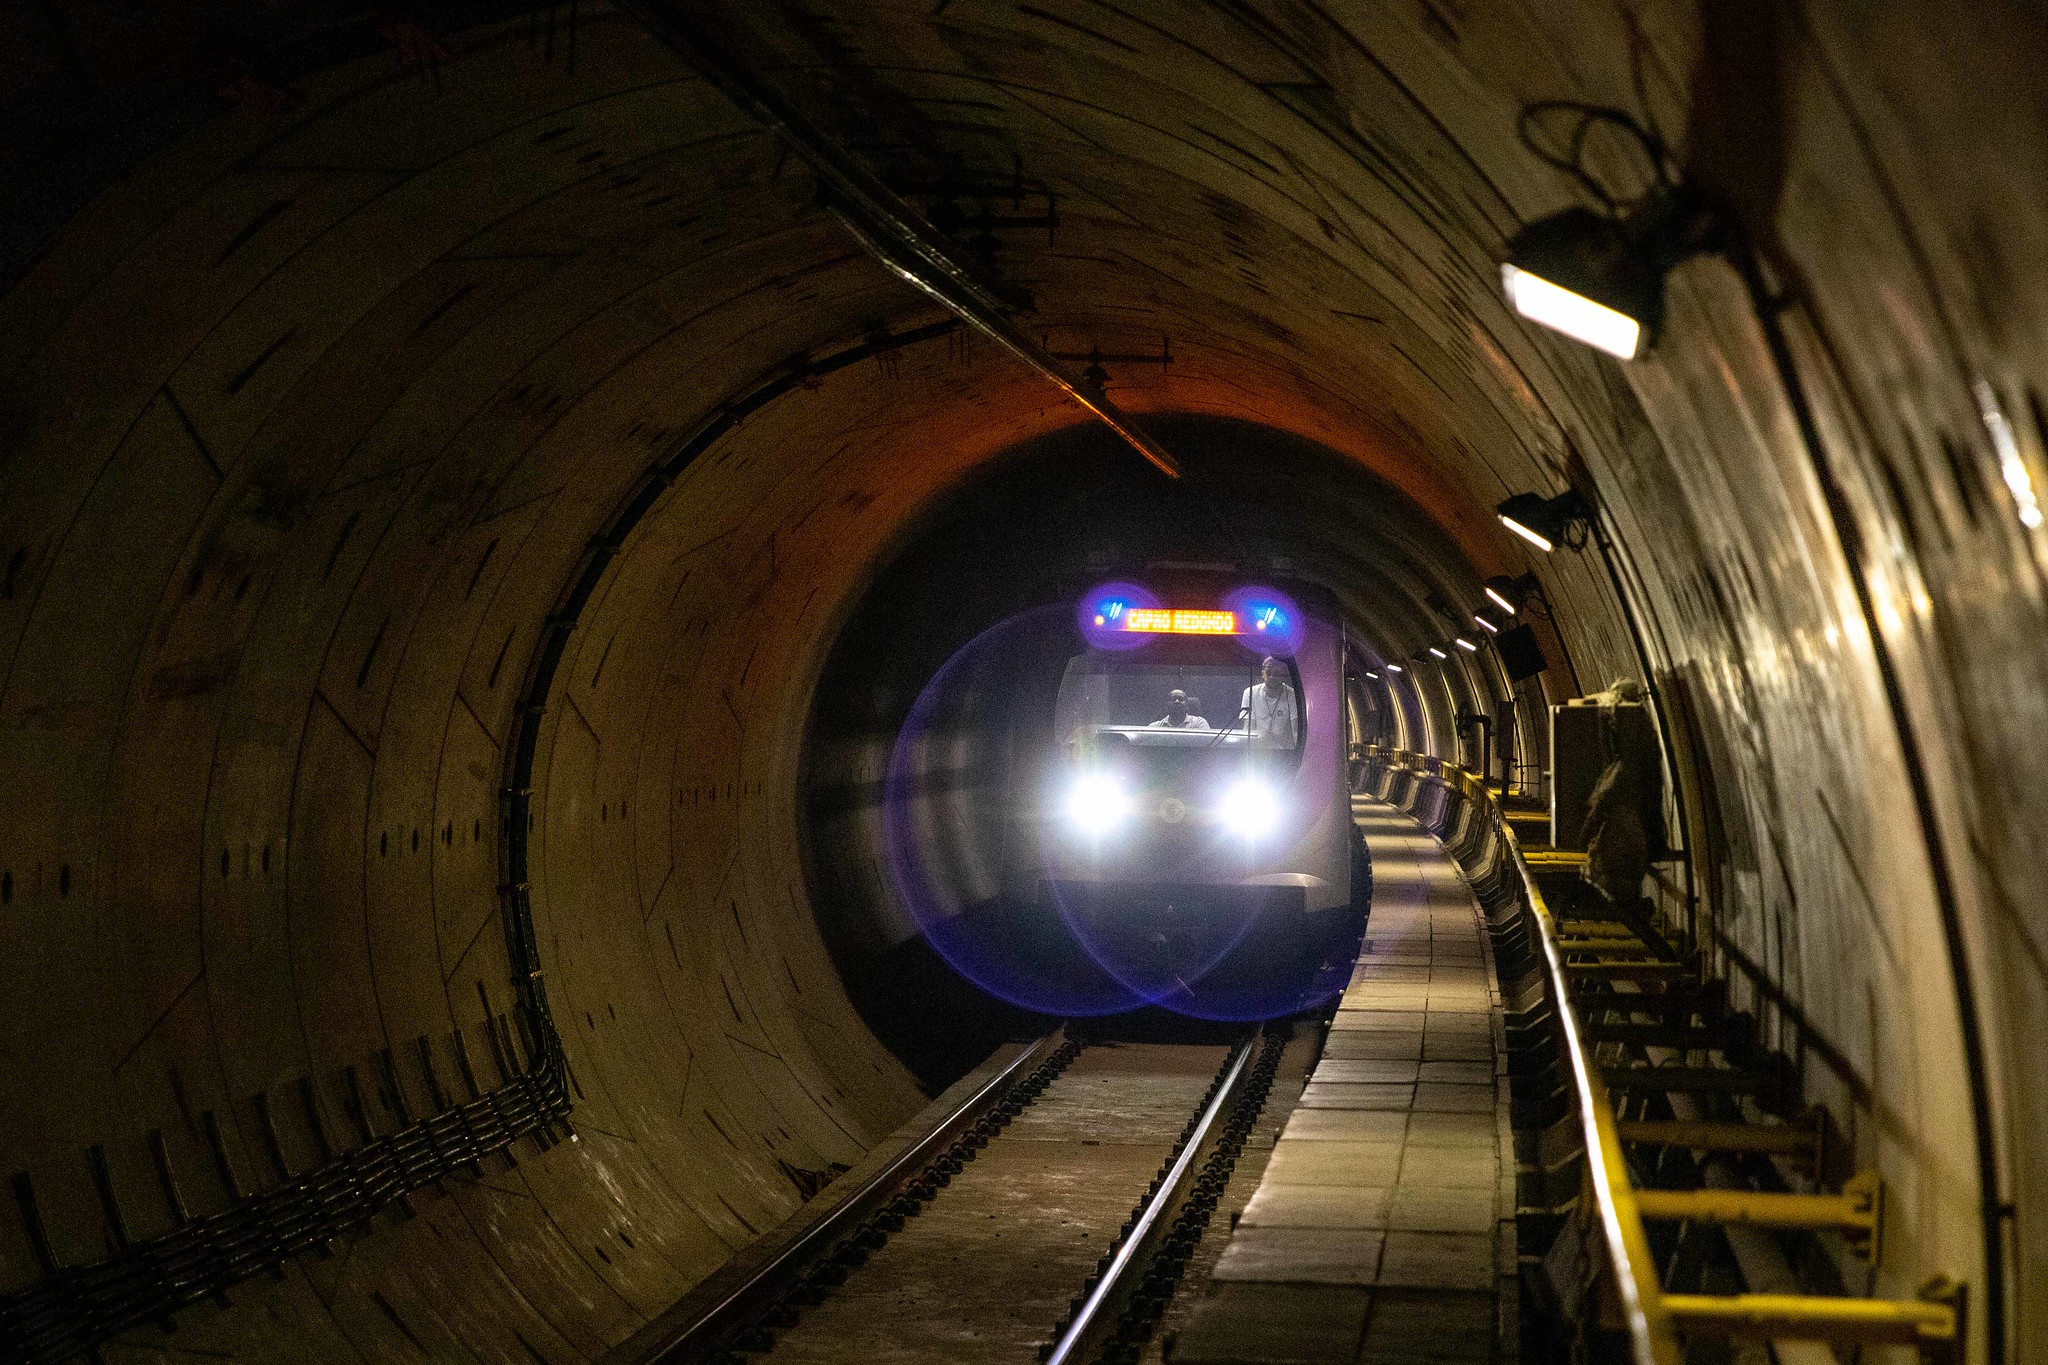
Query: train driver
[1269,709]
[1178,715]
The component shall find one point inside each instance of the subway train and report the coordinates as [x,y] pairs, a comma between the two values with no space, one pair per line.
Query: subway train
[1191,812]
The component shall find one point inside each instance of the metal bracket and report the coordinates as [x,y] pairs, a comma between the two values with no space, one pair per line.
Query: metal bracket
[877,217]
[1097,377]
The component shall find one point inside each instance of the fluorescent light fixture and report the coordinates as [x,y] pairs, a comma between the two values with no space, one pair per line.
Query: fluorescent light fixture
[1577,316]
[1439,653]
[2014,469]
[1370,674]
[1395,668]
[1501,602]
[1599,276]
[1489,627]
[1541,542]
[1464,643]
[1565,519]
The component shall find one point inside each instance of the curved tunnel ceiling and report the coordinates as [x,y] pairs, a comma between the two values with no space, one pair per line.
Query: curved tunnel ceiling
[320,421]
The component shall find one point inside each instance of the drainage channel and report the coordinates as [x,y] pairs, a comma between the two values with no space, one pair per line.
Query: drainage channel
[964,1248]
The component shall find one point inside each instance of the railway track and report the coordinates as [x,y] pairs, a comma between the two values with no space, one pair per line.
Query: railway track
[1049,1212]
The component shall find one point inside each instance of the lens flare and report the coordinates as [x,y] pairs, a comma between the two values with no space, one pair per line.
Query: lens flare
[1249,809]
[1097,804]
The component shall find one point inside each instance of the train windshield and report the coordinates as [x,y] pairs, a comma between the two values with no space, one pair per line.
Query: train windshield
[1179,699]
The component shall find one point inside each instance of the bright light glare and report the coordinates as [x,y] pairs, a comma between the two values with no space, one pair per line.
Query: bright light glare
[1096,804]
[1489,627]
[1501,602]
[2014,469]
[1464,643]
[1249,809]
[1541,542]
[1439,653]
[1538,300]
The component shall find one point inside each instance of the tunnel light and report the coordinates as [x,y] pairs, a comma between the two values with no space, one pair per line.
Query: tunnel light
[1395,668]
[1249,809]
[1577,316]
[2010,465]
[1509,594]
[1547,522]
[1599,278]
[1466,644]
[1438,653]
[1370,674]
[1096,804]
[1489,627]
[1534,537]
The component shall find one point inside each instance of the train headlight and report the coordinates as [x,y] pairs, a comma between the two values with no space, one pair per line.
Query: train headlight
[1096,804]
[1249,809]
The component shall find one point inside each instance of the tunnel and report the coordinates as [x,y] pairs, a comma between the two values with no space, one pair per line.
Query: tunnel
[484,489]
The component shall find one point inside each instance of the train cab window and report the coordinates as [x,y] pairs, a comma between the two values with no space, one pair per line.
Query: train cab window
[1177,696]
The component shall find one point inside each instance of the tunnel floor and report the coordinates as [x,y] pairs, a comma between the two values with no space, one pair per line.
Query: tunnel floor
[1362,1217]
[1381,1223]
[985,1271]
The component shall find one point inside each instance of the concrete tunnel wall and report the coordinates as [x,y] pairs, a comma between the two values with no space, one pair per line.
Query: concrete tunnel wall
[310,414]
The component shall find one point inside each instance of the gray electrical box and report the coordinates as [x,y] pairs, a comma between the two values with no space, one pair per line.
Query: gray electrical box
[1580,751]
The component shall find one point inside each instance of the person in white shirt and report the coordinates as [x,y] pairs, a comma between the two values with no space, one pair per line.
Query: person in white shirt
[1268,709]
[1178,716]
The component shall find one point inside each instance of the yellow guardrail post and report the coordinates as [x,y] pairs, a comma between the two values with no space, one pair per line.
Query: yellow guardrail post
[1856,1212]
[1934,1324]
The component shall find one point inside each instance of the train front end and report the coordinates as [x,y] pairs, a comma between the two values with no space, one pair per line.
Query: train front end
[1198,758]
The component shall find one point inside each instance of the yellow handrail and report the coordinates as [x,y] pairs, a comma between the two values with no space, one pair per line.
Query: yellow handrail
[1651,1338]
[1933,1322]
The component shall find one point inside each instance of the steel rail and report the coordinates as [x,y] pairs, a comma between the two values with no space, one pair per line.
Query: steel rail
[887,228]
[1093,1319]
[705,1318]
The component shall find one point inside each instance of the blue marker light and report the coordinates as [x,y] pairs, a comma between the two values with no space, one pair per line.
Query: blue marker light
[1275,621]
[1104,614]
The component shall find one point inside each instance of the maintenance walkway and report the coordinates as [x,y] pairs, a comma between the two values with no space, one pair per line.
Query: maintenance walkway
[1383,1226]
